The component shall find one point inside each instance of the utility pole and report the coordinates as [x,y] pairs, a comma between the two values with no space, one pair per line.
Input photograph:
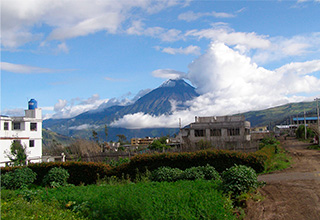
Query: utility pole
[318,121]
[305,124]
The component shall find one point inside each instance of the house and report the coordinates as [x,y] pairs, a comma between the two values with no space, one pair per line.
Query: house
[224,132]
[142,141]
[26,129]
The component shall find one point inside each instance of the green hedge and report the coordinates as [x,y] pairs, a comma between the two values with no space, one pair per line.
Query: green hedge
[219,159]
[88,172]
[80,172]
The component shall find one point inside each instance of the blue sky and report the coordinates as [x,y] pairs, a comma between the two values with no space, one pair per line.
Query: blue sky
[72,56]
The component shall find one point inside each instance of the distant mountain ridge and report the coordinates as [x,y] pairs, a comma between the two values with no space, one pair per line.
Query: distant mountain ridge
[156,102]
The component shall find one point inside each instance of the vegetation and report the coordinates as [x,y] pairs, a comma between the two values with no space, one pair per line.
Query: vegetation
[187,191]
[17,154]
[56,177]
[19,178]
[15,206]
[198,199]
[239,179]
[300,132]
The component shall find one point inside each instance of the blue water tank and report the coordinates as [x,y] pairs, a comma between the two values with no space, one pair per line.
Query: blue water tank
[33,104]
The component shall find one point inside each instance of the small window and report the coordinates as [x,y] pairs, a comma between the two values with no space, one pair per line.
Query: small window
[6,126]
[31,143]
[16,126]
[215,132]
[199,133]
[33,126]
[233,132]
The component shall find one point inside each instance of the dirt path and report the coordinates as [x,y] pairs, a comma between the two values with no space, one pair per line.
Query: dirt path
[293,193]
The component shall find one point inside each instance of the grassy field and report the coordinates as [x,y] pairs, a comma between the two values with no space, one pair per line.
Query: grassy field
[198,199]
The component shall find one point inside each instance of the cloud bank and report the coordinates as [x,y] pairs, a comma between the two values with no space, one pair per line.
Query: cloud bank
[230,82]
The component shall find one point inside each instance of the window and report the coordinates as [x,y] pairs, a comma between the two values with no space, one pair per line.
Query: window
[233,131]
[33,126]
[16,125]
[6,126]
[199,133]
[215,132]
[31,143]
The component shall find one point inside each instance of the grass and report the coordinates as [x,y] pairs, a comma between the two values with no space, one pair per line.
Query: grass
[279,161]
[198,199]
[314,147]
[16,207]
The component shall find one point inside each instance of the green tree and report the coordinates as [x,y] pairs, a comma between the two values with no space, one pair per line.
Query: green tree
[106,132]
[300,133]
[17,154]
[95,136]
[122,138]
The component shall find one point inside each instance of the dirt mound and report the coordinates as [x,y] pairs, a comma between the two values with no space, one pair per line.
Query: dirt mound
[293,193]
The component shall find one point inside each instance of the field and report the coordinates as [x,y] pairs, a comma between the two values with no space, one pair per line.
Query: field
[184,194]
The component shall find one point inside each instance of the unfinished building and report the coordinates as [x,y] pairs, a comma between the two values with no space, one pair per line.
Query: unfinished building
[224,132]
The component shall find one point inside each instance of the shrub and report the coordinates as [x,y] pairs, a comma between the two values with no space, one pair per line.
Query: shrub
[166,174]
[19,178]
[219,159]
[210,172]
[57,176]
[239,179]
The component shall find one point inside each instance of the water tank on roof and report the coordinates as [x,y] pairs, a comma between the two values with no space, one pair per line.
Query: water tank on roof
[33,104]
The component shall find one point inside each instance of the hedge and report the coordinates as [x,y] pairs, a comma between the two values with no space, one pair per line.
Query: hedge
[219,159]
[89,172]
[80,172]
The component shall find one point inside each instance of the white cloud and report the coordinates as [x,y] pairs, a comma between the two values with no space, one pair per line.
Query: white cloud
[68,109]
[83,127]
[192,16]
[230,83]
[188,50]
[69,19]
[281,47]
[63,47]
[231,37]
[167,35]
[168,74]
[13,112]
[24,69]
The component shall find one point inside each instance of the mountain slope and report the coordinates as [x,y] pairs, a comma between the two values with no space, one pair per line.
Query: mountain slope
[156,102]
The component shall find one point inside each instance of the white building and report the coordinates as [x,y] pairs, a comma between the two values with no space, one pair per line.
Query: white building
[27,130]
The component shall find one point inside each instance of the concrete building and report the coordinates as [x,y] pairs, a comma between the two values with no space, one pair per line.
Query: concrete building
[142,141]
[224,132]
[26,129]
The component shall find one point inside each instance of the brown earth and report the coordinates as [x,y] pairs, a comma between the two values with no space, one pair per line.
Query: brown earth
[293,193]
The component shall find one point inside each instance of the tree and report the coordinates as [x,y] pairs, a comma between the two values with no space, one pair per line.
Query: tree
[122,138]
[17,154]
[95,136]
[106,132]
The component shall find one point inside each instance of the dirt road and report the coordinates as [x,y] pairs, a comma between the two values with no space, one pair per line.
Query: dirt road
[293,193]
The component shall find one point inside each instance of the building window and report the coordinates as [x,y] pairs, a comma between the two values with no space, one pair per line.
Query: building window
[31,143]
[233,131]
[215,132]
[16,126]
[199,133]
[6,126]
[33,126]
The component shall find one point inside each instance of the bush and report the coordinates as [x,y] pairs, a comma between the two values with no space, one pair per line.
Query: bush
[166,174]
[219,159]
[239,179]
[19,178]
[57,176]
[202,172]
